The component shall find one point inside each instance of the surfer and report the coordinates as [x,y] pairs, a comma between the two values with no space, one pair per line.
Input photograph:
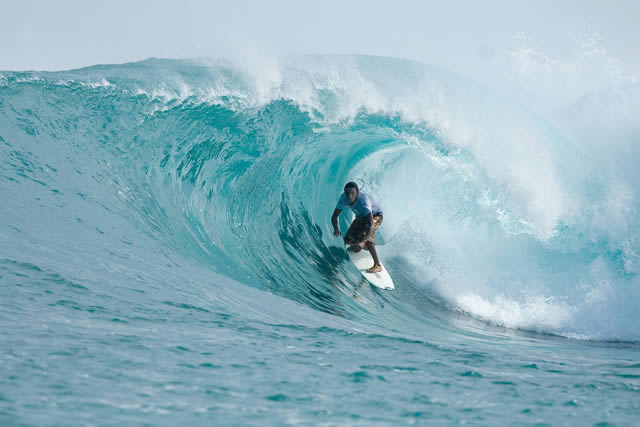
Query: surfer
[362,232]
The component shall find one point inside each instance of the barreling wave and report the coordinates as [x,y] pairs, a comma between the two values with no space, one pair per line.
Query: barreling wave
[489,209]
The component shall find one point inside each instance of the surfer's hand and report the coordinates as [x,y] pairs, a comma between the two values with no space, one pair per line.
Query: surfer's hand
[337,232]
[361,244]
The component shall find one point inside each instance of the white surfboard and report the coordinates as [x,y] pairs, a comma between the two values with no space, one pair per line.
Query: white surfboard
[362,260]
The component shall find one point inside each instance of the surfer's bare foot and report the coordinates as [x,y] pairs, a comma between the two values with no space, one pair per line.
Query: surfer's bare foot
[375,269]
[354,248]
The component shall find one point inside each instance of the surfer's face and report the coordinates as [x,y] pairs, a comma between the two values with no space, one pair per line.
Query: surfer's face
[351,194]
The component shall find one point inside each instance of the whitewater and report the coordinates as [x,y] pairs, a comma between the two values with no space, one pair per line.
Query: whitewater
[167,256]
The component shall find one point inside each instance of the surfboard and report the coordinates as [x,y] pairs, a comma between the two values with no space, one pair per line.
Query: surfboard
[362,260]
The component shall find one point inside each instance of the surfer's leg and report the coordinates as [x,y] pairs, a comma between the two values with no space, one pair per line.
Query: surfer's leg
[354,235]
[371,246]
[376,262]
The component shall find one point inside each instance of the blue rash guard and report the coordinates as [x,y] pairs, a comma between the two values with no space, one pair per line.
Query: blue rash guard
[363,206]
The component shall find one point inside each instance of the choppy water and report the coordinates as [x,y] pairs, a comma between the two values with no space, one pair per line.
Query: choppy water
[166,253]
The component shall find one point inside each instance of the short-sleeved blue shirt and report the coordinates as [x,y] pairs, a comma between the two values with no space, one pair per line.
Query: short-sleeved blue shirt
[363,206]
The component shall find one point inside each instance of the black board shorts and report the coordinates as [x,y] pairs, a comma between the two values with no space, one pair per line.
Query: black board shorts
[360,227]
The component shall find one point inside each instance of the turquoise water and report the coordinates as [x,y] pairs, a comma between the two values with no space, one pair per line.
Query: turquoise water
[166,252]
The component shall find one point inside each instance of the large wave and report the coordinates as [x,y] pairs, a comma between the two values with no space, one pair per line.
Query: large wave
[490,209]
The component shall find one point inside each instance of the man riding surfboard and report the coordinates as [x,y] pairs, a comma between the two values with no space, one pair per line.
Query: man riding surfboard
[362,231]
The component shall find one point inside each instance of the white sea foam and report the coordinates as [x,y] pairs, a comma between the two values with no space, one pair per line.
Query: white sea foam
[549,84]
[28,79]
[100,83]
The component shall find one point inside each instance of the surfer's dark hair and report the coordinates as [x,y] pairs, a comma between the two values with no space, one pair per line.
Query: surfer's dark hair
[351,185]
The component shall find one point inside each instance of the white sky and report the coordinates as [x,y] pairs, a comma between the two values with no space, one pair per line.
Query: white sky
[459,35]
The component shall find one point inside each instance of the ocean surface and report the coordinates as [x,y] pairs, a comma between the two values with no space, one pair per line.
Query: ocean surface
[167,256]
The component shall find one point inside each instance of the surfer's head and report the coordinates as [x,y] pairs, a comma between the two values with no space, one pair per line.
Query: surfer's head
[351,191]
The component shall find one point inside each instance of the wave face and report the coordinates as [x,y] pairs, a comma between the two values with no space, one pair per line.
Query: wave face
[149,193]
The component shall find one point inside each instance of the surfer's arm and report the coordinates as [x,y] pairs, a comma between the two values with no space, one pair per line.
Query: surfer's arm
[334,222]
